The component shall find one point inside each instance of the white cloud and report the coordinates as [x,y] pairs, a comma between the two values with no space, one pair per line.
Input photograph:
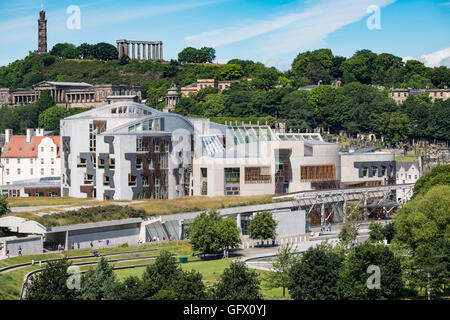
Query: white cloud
[292,32]
[434,59]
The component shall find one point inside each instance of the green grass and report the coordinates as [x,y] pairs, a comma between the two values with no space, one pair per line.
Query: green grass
[406,159]
[11,283]
[45,201]
[211,270]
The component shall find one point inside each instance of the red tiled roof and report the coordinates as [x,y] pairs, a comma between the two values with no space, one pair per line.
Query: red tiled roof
[19,148]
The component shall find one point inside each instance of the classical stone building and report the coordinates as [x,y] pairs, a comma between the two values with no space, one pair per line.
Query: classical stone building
[203,83]
[72,94]
[153,48]
[400,95]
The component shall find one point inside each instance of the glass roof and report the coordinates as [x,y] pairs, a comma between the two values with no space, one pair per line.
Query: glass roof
[249,134]
[299,136]
[211,145]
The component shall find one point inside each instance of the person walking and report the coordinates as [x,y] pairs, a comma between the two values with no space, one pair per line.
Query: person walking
[329,227]
[73,246]
[78,245]
[91,244]
[20,250]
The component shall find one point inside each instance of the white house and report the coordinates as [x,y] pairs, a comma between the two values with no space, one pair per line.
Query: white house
[33,156]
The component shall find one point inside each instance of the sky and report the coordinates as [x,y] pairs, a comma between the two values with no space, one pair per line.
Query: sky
[271,32]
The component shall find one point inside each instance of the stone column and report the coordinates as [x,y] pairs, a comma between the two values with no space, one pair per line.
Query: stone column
[153,52]
[144,53]
[149,48]
[161,51]
[138,51]
[157,51]
[134,51]
[118,50]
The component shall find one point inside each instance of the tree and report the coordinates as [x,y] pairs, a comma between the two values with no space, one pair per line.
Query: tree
[130,289]
[160,274]
[64,50]
[231,71]
[298,112]
[360,66]
[352,220]
[424,219]
[104,51]
[279,277]
[189,286]
[51,283]
[238,283]
[96,283]
[439,175]
[193,55]
[4,205]
[45,101]
[85,50]
[262,226]
[315,275]
[396,127]
[315,65]
[376,231]
[209,232]
[355,273]
[433,258]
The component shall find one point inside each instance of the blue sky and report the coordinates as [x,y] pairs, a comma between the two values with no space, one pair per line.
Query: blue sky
[272,32]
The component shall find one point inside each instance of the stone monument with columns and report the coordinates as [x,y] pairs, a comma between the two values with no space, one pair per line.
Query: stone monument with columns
[151,50]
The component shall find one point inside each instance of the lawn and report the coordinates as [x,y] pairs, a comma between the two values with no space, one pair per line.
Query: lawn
[211,271]
[45,201]
[406,159]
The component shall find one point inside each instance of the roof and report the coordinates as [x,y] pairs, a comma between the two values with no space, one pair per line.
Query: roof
[122,97]
[22,225]
[19,148]
[406,165]
[66,84]
[100,224]
[45,182]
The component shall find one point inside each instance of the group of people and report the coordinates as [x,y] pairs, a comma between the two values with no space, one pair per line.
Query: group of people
[322,228]
[225,254]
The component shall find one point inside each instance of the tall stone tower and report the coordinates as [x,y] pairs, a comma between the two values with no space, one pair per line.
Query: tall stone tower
[42,33]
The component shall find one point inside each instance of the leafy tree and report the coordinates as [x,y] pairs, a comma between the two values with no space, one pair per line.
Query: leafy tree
[64,50]
[439,175]
[262,226]
[160,274]
[355,272]
[85,50]
[51,283]
[189,286]
[433,258]
[4,205]
[352,220]
[396,127]
[315,275]
[95,283]
[279,277]
[376,231]
[360,66]
[209,232]
[124,59]
[238,283]
[45,101]
[424,219]
[231,71]
[104,51]
[297,111]
[130,289]
[389,232]
[315,65]
[193,55]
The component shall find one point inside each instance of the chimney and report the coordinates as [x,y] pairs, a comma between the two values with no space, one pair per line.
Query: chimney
[29,135]
[39,132]
[8,134]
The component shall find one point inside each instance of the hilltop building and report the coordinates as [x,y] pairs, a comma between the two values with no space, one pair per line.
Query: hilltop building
[204,83]
[72,94]
[400,95]
[407,172]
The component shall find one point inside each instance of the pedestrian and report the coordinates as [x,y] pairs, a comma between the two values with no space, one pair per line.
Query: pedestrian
[157,238]
[20,250]
[73,246]
[224,253]
[78,245]
[329,227]
[107,242]
[7,253]
[91,244]
[59,246]
[312,234]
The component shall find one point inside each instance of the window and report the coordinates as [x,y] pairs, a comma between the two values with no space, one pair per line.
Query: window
[42,149]
[88,178]
[257,175]
[52,172]
[156,147]
[141,145]
[7,172]
[112,163]
[52,161]
[409,176]
[365,171]
[106,180]
[318,173]
[31,171]
[42,171]
[18,160]
[81,162]
[7,161]
[145,182]
[31,160]
[51,149]
[18,171]
[42,160]
[101,162]
[204,172]
[131,180]
[138,163]
[232,175]
[415,176]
